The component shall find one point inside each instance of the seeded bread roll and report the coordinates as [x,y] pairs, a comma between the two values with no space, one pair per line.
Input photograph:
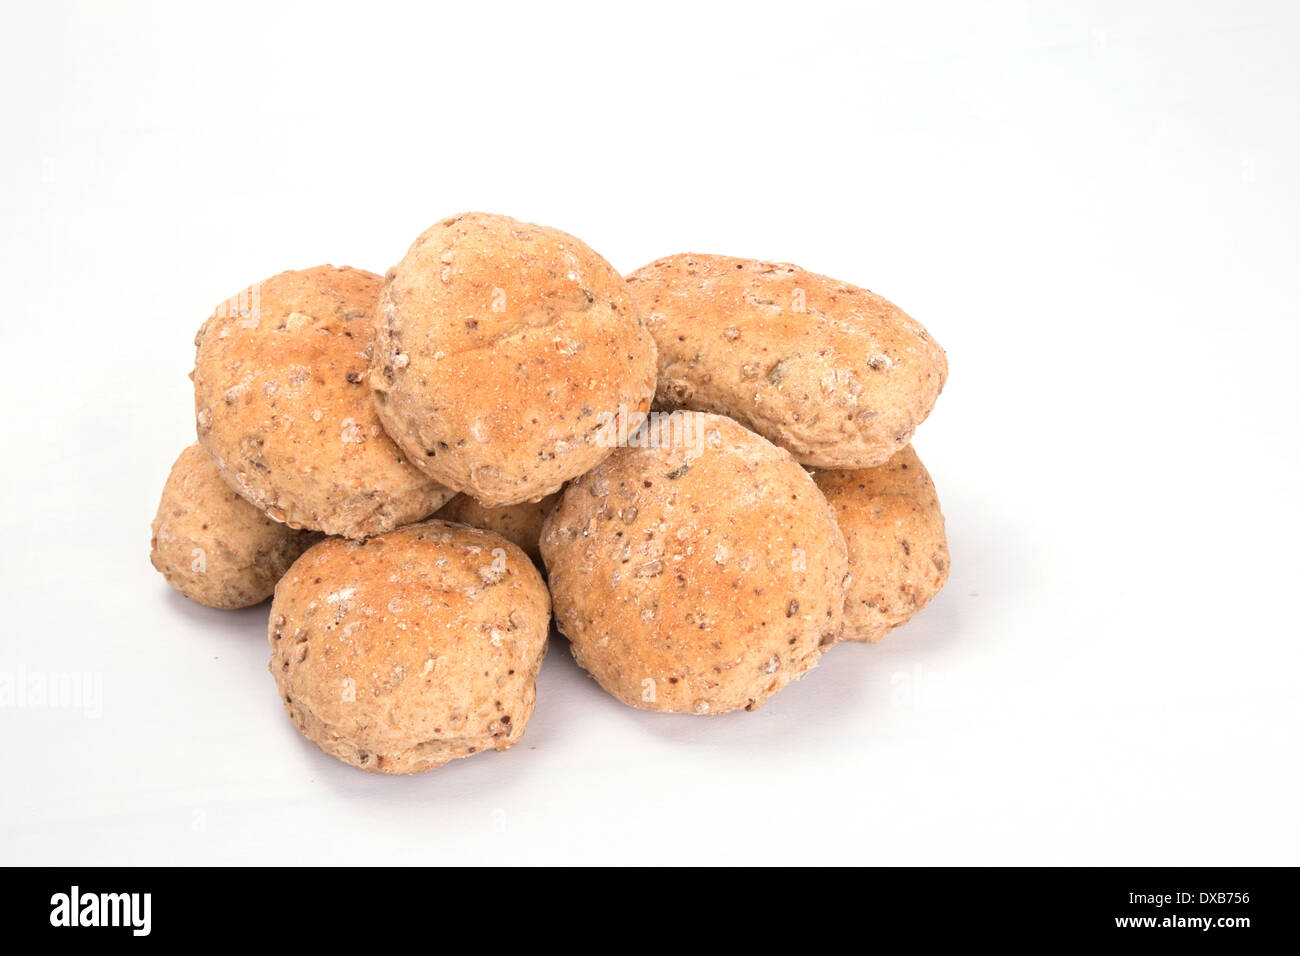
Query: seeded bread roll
[898,552]
[212,545]
[502,351]
[699,572]
[519,524]
[834,373]
[409,649]
[283,407]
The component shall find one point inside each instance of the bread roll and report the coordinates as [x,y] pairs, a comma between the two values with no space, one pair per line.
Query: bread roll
[409,649]
[502,351]
[283,407]
[835,374]
[898,551]
[519,524]
[698,572]
[212,545]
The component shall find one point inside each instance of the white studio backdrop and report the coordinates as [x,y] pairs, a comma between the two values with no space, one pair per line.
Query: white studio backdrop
[1092,206]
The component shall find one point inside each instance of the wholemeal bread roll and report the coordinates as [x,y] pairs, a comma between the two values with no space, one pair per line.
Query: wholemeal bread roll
[519,524]
[698,572]
[283,407]
[212,545]
[834,373]
[409,649]
[502,351]
[898,552]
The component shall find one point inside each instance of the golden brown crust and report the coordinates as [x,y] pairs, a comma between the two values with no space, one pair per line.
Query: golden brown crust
[699,575]
[519,524]
[283,407]
[409,649]
[834,373]
[499,346]
[212,545]
[898,551]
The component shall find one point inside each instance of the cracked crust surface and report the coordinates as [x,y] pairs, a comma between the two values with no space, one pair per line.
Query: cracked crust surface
[212,545]
[836,374]
[404,651]
[282,406]
[898,551]
[699,573]
[499,347]
[519,524]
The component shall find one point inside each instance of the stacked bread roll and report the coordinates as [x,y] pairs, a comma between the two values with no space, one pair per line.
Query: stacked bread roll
[705,469]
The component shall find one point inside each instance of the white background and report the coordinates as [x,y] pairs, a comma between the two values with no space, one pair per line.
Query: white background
[1092,206]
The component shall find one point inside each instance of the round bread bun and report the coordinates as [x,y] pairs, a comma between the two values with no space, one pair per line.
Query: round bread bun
[834,373]
[282,406]
[898,552]
[503,350]
[699,572]
[212,545]
[406,650]
[519,524]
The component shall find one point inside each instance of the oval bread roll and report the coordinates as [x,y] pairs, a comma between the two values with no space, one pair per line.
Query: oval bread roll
[835,374]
